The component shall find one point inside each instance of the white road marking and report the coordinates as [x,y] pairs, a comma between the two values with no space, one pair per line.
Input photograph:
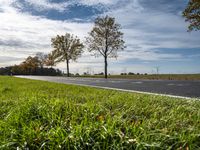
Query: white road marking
[115,81]
[138,82]
[170,84]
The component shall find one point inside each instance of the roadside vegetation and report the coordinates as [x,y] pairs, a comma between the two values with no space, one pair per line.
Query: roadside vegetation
[36,65]
[66,48]
[44,115]
[105,40]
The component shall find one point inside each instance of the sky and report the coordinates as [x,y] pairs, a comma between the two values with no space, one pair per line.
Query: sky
[155,33]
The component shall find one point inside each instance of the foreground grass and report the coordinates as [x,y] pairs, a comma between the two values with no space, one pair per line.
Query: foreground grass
[42,115]
[151,76]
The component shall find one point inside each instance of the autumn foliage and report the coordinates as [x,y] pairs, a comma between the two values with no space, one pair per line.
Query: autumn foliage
[31,66]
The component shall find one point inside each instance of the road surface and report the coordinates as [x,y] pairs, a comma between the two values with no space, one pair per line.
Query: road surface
[169,87]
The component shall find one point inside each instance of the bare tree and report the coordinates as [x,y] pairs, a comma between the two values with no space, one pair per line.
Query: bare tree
[192,14]
[105,39]
[66,48]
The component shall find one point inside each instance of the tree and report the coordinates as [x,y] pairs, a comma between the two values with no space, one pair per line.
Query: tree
[42,58]
[105,39]
[66,48]
[50,59]
[30,65]
[192,15]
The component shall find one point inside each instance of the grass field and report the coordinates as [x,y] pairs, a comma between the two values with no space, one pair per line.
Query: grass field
[152,76]
[43,115]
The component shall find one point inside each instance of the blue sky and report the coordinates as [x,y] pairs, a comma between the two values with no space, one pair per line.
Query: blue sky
[154,31]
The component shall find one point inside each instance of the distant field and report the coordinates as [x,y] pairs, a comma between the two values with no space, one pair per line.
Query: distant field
[152,77]
[44,115]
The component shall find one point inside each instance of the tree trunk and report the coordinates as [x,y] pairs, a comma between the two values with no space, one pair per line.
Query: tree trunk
[105,54]
[67,61]
[106,66]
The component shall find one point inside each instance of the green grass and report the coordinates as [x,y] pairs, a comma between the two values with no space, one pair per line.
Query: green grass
[43,115]
[152,76]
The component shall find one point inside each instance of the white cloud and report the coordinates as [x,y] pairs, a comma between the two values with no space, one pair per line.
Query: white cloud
[153,30]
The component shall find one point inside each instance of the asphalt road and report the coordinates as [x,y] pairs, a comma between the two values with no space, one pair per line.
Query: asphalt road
[169,87]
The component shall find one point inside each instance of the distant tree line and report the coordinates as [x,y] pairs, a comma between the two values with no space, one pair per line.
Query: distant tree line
[31,66]
[131,73]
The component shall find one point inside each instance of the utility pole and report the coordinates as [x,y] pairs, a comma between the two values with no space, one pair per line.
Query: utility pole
[157,69]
